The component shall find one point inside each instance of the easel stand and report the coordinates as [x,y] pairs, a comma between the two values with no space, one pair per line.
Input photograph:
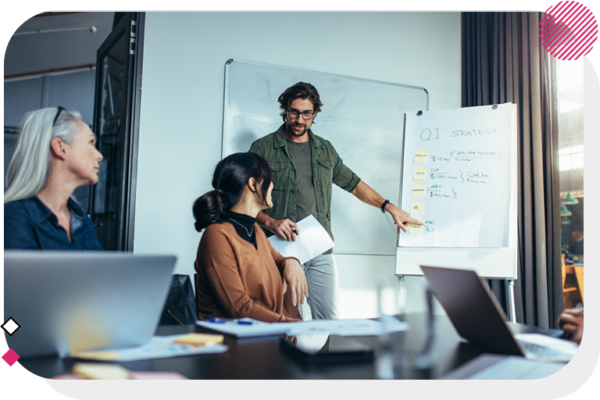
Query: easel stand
[510,295]
[509,290]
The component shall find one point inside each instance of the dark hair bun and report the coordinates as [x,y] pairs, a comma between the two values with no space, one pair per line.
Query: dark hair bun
[207,209]
[231,176]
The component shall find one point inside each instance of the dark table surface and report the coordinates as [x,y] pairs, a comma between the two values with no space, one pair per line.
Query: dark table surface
[263,358]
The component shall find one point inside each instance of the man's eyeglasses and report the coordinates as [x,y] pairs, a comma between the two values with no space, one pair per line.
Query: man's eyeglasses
[307,115]
[60,109]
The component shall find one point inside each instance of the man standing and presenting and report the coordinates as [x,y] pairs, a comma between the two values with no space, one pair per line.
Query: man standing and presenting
[304,167]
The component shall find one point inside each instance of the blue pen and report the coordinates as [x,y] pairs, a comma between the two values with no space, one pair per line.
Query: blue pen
[242,322]
[216,320]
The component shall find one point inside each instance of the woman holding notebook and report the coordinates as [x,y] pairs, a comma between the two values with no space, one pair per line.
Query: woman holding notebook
[239,273]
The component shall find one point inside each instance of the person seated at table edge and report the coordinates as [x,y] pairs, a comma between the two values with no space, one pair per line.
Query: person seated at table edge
[239,273]
[571,322]
[55,154]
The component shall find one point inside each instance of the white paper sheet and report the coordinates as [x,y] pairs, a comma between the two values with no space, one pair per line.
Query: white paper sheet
[256,329]
[348,327]
[158,347]
[312,241]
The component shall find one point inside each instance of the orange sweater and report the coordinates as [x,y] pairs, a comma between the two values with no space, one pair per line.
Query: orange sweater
[235,280]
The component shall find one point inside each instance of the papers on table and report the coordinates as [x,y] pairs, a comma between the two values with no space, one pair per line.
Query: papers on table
[494,366]
[312,241]
[158,347]
[250,328]
[98,371]
[348,327]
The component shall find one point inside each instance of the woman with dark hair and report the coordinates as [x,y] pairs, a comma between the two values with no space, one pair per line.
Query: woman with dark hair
[239,272]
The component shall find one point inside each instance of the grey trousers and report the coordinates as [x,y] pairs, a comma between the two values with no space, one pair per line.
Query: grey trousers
[322,278]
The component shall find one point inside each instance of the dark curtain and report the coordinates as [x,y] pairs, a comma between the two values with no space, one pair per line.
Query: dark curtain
[503,61]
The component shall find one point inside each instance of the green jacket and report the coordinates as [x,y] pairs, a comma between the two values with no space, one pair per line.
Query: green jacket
[327,168]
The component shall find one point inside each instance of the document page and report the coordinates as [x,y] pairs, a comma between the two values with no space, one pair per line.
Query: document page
[158,347]
[247,327]
[244,327]
[312,241]
[346,327]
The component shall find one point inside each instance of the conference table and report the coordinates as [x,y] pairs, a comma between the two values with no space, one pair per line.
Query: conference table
[264,358]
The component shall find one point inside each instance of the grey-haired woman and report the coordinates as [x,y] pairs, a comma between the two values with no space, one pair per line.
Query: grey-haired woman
[55,154]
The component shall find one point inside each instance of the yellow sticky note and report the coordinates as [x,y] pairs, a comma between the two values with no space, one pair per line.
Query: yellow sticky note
[418,190]
[421,156]
[417,207]
[420,174]
[100,371]
[199,338]
[101,355]
[413,228]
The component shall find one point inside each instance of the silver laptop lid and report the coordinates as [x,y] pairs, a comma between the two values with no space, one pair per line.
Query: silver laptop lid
[472,308]
[71,301]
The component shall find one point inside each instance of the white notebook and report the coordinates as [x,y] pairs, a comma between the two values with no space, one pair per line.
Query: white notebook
[312,241]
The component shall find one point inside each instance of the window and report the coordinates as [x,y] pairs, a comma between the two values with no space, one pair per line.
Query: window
[570,158]
[570,161]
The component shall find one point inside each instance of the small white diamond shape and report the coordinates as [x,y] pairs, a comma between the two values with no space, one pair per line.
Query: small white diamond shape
[11,326]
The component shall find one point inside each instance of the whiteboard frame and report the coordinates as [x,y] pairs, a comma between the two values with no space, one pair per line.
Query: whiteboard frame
[226,127]
[487,262]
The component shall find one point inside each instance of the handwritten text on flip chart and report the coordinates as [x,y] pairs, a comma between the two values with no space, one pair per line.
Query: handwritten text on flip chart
[462,159]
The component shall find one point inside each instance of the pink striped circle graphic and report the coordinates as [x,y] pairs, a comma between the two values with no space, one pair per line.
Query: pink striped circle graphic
[568,30]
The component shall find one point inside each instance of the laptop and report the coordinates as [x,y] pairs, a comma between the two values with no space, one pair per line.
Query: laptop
[479,318]
[73,301]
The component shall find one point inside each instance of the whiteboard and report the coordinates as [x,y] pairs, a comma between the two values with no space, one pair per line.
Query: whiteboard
[363,119]
[469,201]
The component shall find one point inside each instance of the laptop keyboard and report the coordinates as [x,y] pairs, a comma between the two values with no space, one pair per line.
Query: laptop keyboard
[537,351]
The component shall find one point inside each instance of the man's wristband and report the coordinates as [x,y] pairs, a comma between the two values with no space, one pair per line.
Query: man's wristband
[385,203]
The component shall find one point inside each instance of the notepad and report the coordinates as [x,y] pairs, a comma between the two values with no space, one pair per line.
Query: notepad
[420,174]
[158,347]
[156,375]
[101,371]
[421,156]
[418,190]
[416,229]
[417,207]
[199,338]
[116,372]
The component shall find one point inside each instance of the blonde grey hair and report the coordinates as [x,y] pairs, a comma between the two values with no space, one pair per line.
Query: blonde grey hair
[27,173]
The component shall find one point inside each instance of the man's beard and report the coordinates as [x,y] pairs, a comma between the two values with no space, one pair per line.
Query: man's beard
[299,134]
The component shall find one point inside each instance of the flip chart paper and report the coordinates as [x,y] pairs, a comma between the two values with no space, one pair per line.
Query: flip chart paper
[312,241]
[468,176]
[158,347]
